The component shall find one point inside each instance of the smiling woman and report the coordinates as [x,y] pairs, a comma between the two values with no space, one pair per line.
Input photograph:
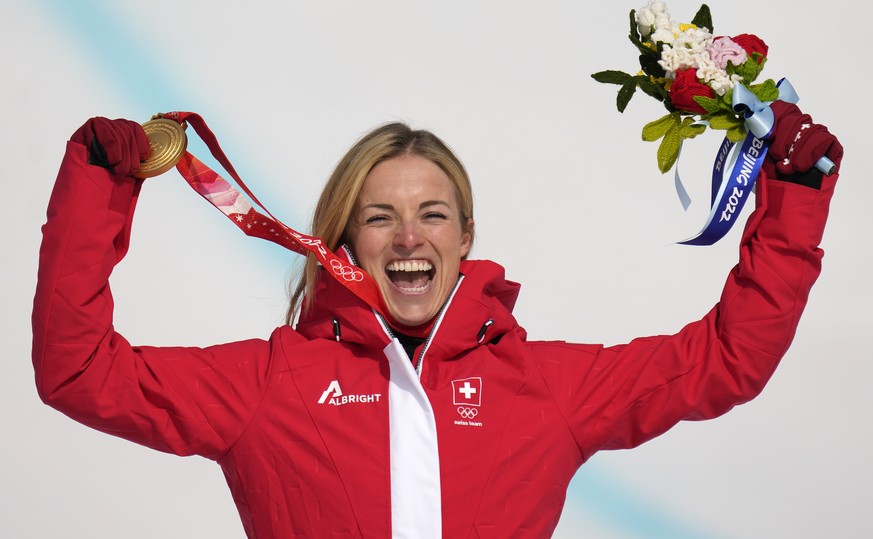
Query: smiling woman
[433,416]
[403,186]
[409,234]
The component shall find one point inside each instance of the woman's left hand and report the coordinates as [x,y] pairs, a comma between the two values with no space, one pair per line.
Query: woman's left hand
[797,143]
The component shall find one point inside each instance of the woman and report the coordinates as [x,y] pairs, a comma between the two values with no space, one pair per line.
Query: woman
[435,417]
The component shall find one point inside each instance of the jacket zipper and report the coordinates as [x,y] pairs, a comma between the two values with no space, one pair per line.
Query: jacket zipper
[436,326]
[433,330]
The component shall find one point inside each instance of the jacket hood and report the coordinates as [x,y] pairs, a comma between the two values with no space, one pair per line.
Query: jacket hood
[479,311]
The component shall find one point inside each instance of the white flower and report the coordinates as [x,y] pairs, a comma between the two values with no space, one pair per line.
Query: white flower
[664,35]
[687,50]
[683,49]
[657,6]
[715,77]
[645,21]
[652,17]
[663,22]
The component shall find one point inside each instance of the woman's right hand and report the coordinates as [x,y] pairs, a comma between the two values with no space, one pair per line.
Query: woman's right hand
[118,145]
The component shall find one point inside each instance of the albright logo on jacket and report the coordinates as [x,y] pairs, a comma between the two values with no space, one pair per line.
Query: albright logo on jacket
[334,395]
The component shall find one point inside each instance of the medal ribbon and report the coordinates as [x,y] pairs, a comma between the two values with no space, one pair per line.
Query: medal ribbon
[734,172]
[221,194]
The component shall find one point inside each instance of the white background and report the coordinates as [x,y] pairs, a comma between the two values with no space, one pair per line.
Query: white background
[568,198]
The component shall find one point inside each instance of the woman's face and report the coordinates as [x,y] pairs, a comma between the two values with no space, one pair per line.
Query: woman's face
[407,232]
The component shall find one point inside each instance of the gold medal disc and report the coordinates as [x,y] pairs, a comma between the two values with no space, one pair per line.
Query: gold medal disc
[168,143]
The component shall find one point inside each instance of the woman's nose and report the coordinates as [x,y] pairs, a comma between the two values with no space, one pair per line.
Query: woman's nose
[408,236]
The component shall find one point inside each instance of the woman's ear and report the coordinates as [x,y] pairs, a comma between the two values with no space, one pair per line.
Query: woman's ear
[467,238]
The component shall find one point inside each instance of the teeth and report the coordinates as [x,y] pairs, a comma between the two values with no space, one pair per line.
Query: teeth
[416,289]
[409,265]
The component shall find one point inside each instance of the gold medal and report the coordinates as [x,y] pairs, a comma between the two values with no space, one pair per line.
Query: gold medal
[168,143]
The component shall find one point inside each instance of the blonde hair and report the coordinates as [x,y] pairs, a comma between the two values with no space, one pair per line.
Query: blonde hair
[337,201]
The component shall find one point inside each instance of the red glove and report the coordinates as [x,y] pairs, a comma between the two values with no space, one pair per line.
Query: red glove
[118,145]
[798,143]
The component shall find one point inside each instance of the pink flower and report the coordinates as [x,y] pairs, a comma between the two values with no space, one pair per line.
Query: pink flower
[723,50]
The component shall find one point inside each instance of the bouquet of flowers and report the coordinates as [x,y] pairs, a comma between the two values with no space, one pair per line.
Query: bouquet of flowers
[693,73]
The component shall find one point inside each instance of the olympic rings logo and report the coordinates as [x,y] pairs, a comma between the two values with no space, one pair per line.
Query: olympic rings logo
[346,272]
[467,413]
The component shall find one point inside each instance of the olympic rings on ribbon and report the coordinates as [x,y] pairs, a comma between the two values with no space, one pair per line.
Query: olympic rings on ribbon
[467,413]
[348,273]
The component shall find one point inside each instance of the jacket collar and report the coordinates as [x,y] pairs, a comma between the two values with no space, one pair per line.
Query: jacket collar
[479,312]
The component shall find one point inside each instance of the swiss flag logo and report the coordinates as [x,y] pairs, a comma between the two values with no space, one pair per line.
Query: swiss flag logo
[467,392]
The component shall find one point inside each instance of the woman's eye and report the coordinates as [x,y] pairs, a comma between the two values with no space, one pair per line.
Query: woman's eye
[375,219]
[435,216]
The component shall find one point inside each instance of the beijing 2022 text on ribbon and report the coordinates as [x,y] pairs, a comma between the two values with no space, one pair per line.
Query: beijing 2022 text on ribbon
[736,167]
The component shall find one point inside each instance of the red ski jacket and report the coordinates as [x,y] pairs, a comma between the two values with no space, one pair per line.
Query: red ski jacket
[331,430]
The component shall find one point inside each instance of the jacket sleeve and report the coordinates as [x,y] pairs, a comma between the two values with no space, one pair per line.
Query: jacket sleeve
[179,400]
[621,396]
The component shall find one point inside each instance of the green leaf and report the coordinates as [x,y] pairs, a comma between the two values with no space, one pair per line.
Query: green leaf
[724,120]
[703,18]
[652,131]
[689,129]
[760,59]
[634,29]
[651,88]
[737,134]
[625,93]
[651,66]
[611,76]
[668,151]
[709,105]
[749,70]
[766,91]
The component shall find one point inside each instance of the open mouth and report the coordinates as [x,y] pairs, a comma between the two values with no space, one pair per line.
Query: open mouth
[410,276]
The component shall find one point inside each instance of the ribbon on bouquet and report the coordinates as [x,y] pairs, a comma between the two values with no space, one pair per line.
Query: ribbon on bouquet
[168,129]
[736,167]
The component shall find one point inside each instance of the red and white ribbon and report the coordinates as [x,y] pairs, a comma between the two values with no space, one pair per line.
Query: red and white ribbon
[240,210]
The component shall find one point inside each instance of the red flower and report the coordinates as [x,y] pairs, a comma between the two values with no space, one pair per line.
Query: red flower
[752,43]
[685,87]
